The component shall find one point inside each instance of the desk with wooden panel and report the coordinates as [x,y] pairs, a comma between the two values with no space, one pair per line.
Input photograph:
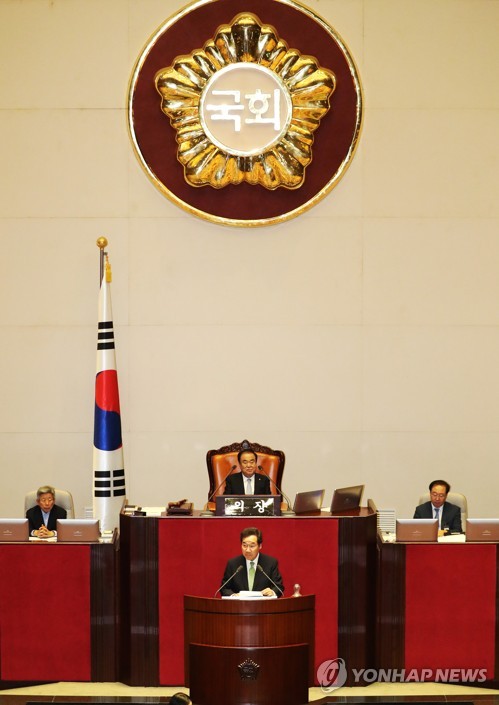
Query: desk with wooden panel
[59,600]
[438,609]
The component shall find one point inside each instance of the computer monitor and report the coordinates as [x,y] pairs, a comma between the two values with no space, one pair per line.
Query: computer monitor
[345,498]
[482,530]
[418,530]
[14,530]
[78,530]
[310,501]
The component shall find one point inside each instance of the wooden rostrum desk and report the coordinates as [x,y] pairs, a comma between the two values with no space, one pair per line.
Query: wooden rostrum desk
[163,559]
[249,651]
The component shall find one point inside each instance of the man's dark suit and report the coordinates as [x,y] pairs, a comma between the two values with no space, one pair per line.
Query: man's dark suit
[240,581]
[451,515]
[234,484]
[36,519]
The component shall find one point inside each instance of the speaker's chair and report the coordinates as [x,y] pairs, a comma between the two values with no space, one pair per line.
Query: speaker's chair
[220,463]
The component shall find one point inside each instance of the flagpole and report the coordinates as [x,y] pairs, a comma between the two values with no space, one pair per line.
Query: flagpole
[109,489]
[101,244]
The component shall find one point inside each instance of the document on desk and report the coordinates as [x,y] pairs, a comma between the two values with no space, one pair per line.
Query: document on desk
[452,538]
[153,511]
[249,595]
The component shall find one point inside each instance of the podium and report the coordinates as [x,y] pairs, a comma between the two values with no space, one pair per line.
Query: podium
[165,558]
[249,651]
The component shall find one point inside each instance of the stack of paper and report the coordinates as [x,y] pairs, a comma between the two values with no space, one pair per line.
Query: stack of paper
[386,520]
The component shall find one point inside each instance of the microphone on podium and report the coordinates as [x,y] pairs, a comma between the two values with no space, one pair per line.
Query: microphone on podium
[287,512]
[239,569]
[208,512]
[259,567]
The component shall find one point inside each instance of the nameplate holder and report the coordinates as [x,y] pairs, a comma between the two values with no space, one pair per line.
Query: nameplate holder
[248,505]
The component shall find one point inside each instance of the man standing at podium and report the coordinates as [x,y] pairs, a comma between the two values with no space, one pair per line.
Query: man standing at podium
[252,570]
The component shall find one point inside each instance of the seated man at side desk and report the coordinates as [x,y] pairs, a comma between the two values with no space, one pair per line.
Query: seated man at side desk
[248,481]
[448,515]
[44,515]
[252,570]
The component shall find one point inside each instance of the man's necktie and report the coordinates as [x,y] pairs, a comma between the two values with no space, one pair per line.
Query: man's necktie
[437,510]
[251,575]
[248,485]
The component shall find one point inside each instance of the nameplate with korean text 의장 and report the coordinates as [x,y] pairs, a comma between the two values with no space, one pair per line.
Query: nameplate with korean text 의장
[248,505]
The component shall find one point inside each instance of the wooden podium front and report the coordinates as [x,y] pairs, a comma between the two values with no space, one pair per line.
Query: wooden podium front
[249,651]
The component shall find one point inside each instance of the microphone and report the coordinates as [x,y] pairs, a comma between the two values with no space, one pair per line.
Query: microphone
[259,567]
[288,511]
[208,512]
[239,568]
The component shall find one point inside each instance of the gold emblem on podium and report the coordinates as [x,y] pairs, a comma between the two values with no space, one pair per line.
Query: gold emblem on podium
[248,670]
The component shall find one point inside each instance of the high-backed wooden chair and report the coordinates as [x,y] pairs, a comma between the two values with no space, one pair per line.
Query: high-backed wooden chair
[222,461]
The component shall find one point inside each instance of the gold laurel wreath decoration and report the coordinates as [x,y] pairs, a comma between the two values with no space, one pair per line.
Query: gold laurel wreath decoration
[245,40]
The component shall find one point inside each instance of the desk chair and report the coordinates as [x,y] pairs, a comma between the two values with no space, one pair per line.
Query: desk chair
[221,461]
[454,498]
[63,499]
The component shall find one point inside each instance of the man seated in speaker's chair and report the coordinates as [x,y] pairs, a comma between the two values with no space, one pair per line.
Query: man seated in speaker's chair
[448,515]
[44,515]
[248,481]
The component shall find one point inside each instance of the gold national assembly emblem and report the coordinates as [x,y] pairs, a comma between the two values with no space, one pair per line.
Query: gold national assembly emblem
[245,112]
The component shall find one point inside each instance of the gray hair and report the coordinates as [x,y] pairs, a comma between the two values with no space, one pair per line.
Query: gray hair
[45,489]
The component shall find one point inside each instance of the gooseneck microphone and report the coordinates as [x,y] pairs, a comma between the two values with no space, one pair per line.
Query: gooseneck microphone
[288,511]
[239,568]
[208,512]
[259,567]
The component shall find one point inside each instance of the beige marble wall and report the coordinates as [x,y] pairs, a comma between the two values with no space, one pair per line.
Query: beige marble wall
[362,338]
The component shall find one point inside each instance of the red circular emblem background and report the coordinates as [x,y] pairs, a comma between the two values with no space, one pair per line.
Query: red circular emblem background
[334,141]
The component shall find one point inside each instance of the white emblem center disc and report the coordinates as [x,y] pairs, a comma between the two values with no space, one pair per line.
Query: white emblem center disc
[245,109]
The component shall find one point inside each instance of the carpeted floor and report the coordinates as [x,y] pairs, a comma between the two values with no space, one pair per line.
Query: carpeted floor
[89,691]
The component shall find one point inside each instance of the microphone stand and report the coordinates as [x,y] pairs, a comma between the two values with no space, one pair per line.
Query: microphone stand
[238,570]
[259,567]
[209,512]
[285,512]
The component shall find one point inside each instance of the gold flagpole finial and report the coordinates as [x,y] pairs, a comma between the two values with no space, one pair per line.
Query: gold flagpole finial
[101,243]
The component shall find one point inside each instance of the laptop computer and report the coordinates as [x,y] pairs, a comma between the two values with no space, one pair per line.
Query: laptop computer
[310,501]
[345,498]
[482,530]
[14,530]
[78,530]
[419,530]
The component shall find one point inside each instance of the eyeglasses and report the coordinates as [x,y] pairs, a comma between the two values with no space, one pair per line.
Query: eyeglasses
[438,495]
